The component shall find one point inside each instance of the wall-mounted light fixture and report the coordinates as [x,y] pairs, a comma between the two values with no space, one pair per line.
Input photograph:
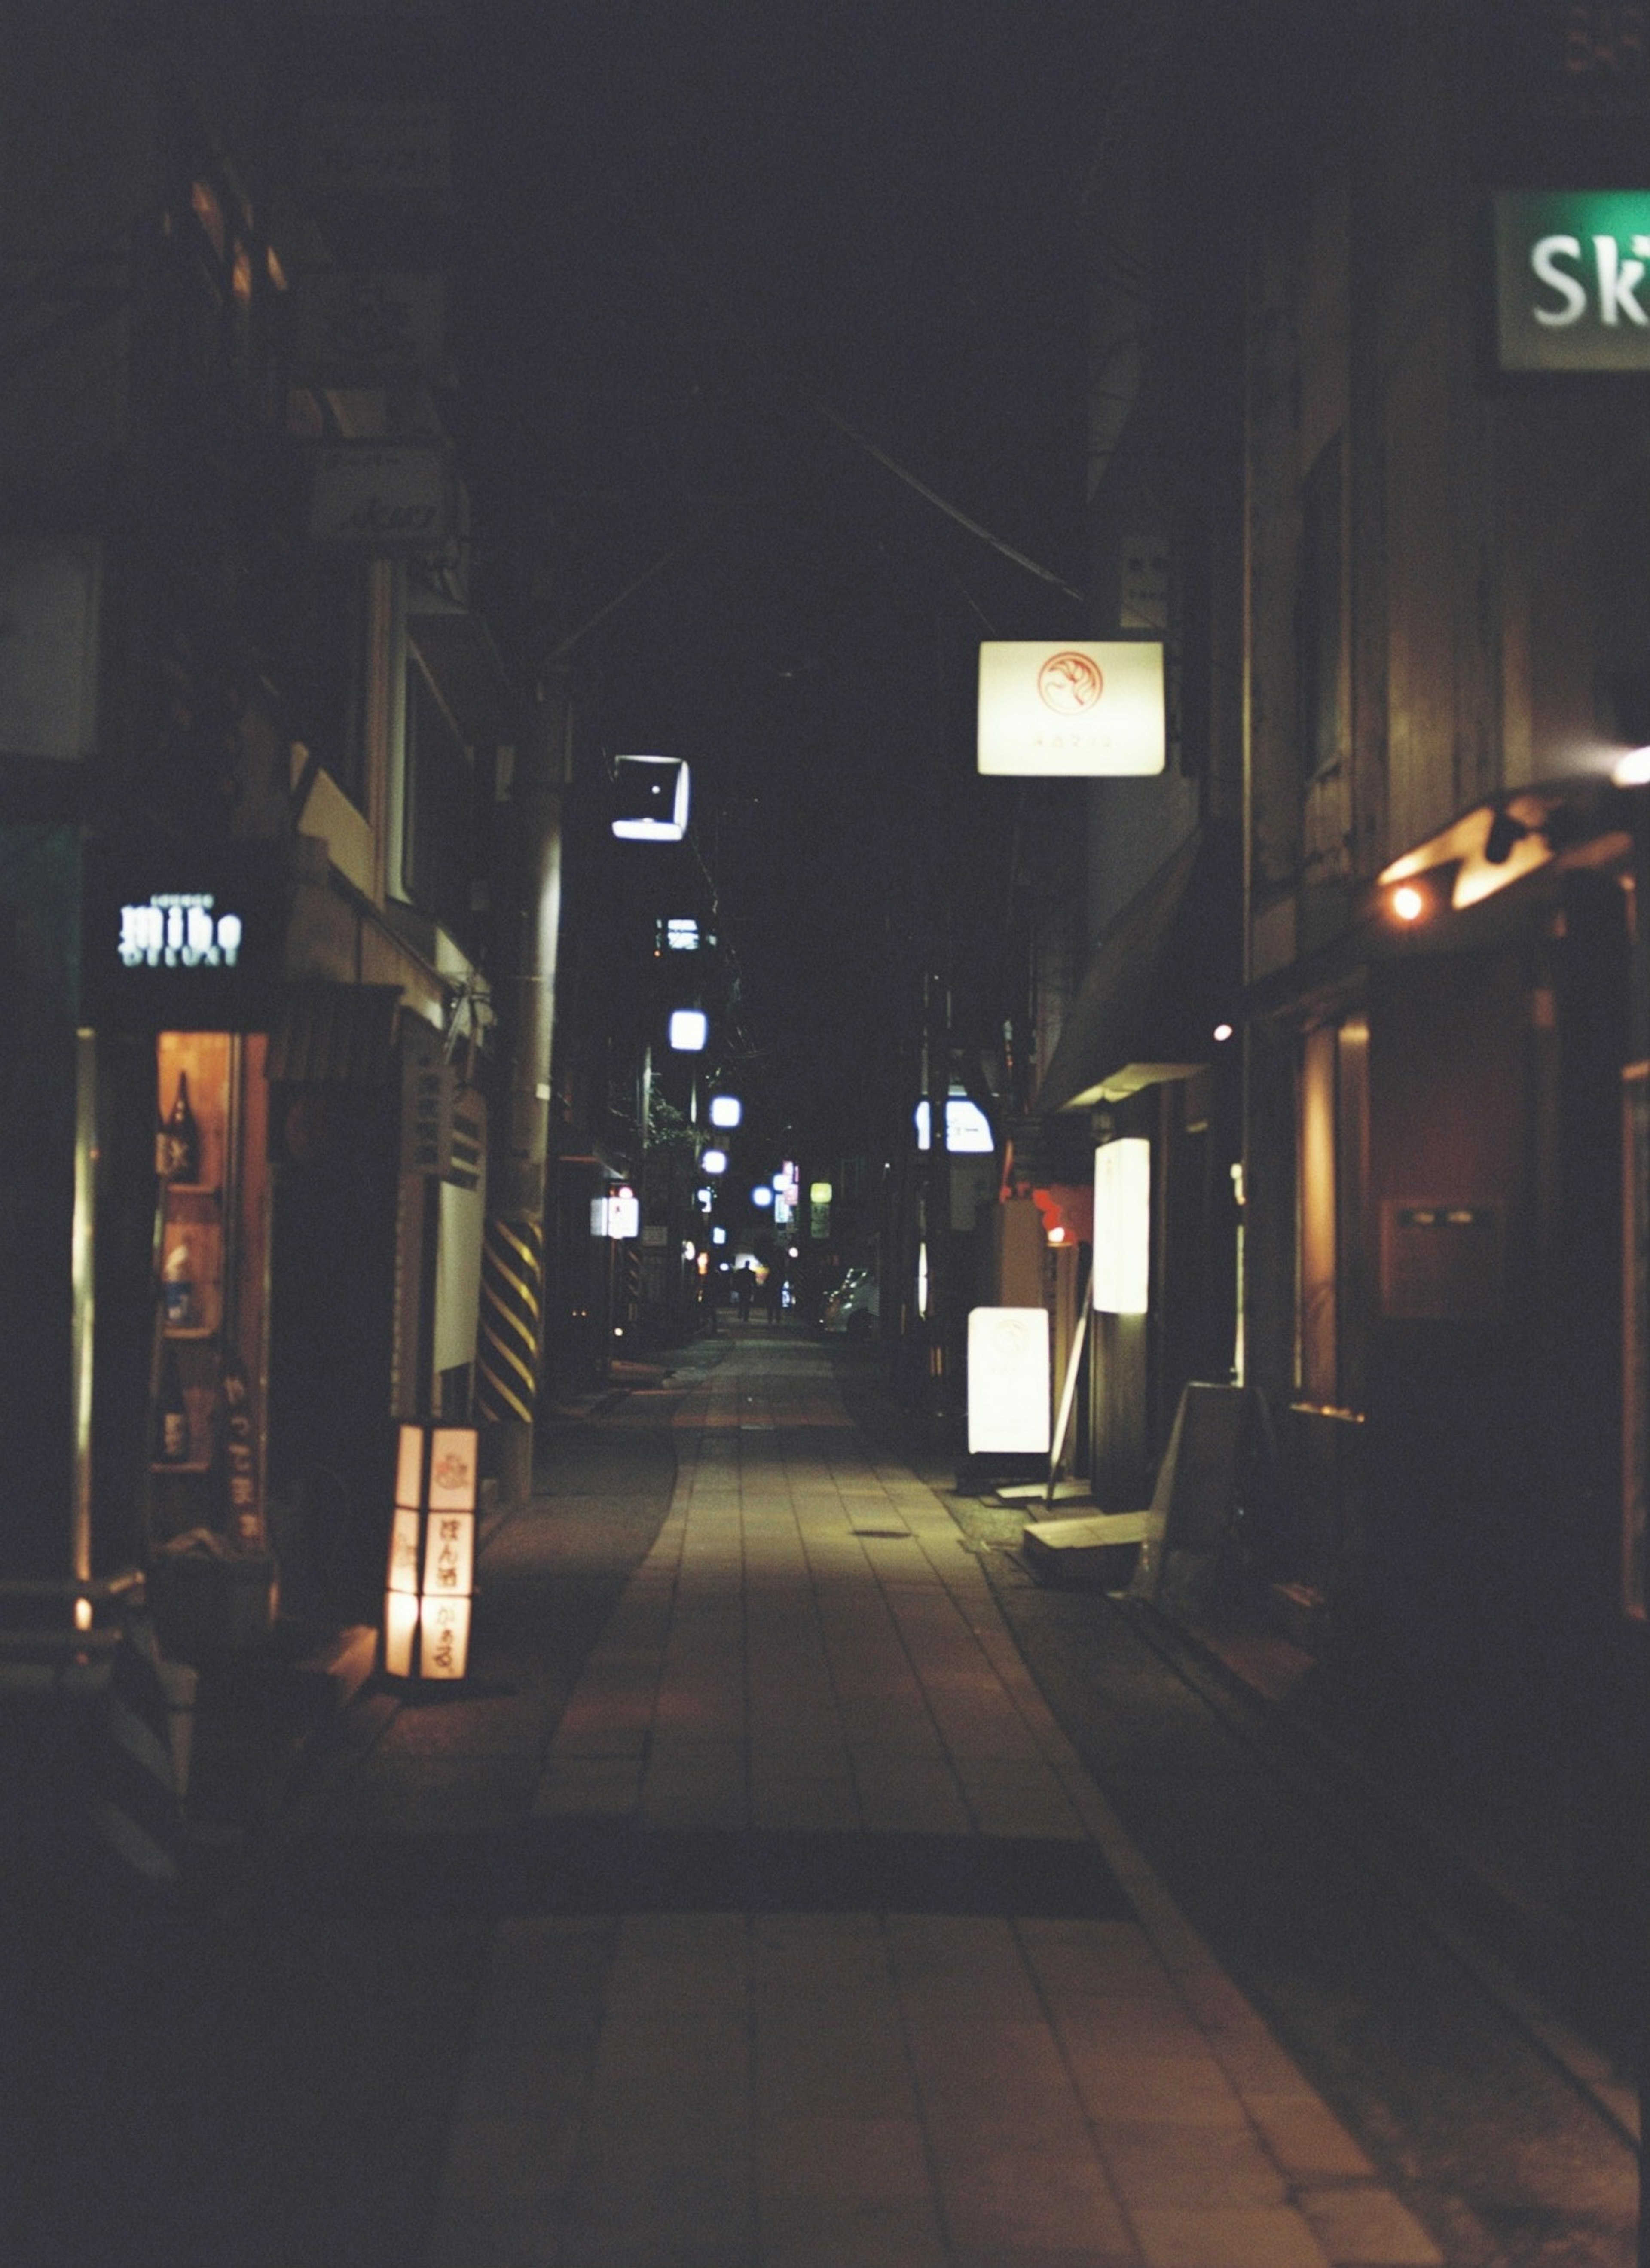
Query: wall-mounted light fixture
[689,1028]
[713,1161]
[726,1111]
[430,1579]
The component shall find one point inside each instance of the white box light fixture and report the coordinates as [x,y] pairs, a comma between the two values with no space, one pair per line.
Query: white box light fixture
[651,794]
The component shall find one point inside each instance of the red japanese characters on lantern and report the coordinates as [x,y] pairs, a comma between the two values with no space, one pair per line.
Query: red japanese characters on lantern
[430,1578]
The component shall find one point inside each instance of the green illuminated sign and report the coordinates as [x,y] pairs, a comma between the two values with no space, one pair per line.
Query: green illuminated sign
[1572,280]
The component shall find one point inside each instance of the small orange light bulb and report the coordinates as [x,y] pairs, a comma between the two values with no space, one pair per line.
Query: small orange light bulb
[1408,902]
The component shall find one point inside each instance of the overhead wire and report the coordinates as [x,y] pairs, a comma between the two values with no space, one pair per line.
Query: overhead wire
[763,347]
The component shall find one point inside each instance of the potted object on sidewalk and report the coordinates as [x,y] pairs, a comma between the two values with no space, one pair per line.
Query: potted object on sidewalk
[429,1583]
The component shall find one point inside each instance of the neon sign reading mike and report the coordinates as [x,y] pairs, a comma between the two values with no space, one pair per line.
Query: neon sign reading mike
[178,929]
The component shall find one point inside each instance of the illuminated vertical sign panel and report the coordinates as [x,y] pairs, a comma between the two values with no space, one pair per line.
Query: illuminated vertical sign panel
[1122,1226]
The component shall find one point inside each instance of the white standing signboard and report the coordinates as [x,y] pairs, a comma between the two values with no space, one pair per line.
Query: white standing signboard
[1008,1381]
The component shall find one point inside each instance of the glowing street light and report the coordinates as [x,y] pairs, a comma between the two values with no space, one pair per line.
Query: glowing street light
[726,1111]
[762,1196]
[713,1161]
[689,1028]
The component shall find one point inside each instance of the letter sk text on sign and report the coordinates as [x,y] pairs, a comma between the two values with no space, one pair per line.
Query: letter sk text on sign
[1572,280]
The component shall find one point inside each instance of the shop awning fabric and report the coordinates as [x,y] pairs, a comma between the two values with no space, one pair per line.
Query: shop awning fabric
[334,1034]
[1160,979]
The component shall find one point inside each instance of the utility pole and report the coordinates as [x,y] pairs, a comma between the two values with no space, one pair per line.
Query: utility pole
[511,1341]
[1636,1325]
[937,1194]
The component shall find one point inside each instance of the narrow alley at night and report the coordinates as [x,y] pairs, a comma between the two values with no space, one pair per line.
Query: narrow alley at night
[754,1905]
[824,1133]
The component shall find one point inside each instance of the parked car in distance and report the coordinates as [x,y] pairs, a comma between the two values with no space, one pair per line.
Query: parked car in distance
[854,1306]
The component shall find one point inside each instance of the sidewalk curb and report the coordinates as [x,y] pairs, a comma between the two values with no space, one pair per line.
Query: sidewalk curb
[1459,1894]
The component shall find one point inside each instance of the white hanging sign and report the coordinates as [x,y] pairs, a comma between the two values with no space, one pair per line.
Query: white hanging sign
[1071,710]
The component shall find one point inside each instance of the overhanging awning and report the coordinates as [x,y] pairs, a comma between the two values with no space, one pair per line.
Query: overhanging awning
[334,1034]
[1164,973]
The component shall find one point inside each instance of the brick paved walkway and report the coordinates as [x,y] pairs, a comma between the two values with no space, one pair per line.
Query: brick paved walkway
[877,1980]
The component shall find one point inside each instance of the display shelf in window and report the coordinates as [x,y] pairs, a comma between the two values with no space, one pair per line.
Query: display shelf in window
[191,1274]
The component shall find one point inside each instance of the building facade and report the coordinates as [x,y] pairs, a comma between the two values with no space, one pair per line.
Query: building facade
[249,735]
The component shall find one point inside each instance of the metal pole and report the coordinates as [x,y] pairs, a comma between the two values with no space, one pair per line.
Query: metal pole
[1068,1392]
[510,1341]
[1638,1654]
[84,1302]
[937,1208]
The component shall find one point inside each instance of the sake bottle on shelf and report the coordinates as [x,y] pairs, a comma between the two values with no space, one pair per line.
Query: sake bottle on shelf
[179,1292]
[171,1413]
[182,1137]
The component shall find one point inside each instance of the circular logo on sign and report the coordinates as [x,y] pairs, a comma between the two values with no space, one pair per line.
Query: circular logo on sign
[1068,683]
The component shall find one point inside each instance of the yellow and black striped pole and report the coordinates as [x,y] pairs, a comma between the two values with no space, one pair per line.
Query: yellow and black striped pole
[511,1320]
[511,1348]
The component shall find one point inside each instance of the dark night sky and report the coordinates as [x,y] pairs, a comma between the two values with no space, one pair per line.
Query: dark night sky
[686,223]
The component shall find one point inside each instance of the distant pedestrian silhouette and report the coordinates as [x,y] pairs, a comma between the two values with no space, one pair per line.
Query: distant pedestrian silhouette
[775,1289]
[744,1289]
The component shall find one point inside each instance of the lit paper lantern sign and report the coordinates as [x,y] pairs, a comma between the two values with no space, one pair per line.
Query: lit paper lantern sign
[1122,1226]
[680,935]
[430,1581]
[689,1028]
[1008,1382]
[649,798]
[713,1161]
[1071,711]
[624,1215]
[726,1111]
